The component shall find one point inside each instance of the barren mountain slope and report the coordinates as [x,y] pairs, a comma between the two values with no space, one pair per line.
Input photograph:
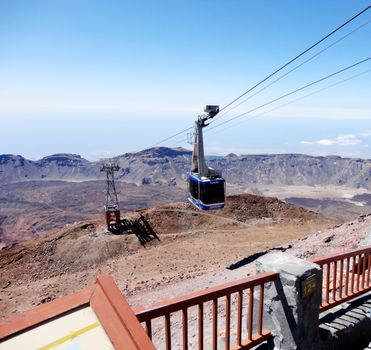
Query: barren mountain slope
[336,239]
[37,197]
[162,165]
[30,209]
[191,243]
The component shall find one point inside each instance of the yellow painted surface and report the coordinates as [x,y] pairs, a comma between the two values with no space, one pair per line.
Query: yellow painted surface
[79,330]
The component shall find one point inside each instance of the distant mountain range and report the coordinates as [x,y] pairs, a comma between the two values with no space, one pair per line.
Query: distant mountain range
[168,167]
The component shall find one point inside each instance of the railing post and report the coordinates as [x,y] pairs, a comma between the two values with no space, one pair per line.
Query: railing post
[292,301]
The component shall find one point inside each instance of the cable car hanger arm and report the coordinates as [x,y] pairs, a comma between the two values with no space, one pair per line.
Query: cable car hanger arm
[210,112]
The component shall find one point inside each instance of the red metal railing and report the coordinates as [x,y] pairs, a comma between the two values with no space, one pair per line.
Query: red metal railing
[345,276]
[195,316]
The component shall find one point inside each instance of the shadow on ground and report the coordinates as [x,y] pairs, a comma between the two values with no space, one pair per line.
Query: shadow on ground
[140,227]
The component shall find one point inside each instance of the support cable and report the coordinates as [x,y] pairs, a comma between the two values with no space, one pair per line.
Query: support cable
[298,56]
[274,73]
[171,137]
[291,93]
[219,116]
[293,101]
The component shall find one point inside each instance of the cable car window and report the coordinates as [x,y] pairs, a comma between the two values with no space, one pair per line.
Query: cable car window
[211,194]
[193,188]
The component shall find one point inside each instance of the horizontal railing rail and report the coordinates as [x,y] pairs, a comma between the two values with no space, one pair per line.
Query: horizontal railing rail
[344,276]
[234,293]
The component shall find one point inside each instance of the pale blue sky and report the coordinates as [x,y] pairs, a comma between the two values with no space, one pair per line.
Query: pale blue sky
[101,78]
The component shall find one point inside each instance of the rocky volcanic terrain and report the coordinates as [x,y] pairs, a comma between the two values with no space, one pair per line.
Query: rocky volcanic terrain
[163,165]
[162,247]
[31,209]
[37,197]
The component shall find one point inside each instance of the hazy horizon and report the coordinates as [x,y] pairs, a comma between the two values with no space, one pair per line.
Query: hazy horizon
[186,148]
[102,79]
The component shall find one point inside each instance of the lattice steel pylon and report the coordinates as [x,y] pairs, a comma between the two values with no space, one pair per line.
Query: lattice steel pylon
[111,207]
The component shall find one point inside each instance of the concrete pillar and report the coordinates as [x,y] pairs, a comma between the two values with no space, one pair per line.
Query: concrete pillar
[292,301]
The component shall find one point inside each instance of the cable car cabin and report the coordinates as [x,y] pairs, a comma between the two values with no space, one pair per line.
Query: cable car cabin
[206,193]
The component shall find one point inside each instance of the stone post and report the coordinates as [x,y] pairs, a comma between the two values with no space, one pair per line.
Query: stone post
[292,301]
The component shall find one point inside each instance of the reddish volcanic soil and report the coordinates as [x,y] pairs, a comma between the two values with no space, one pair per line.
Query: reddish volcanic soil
[190,244]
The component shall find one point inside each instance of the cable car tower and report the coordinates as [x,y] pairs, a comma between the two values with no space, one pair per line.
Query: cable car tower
[111,207]
[205,185]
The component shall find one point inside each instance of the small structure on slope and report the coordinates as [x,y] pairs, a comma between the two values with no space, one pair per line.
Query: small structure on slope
[111,207]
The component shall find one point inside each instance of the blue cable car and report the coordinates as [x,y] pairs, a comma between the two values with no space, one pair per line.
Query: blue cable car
[206,187]
[206,193]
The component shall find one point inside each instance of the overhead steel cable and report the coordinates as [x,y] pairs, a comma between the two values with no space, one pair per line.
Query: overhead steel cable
[179,141]
[182,140]
[274,73]
[292,92]
[293,101]
[298,56]
[171,137]
[288,94]
[219,116]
